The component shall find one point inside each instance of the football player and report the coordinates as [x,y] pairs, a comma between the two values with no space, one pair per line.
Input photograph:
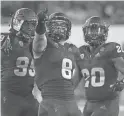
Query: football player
[99,64]
[54,65]
[17,71]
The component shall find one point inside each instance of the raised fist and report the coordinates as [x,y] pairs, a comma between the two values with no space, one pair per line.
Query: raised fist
[42,17]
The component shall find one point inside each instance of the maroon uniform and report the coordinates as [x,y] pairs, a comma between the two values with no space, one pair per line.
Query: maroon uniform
[17,79]
[54,78]
[100,73]
[54,72]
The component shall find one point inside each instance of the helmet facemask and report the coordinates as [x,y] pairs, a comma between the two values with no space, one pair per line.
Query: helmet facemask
[58,29]
[28,30]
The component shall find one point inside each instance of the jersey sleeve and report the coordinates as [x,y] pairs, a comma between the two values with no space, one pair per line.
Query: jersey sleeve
[117,51]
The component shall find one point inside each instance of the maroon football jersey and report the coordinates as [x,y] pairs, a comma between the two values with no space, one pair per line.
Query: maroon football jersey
[54,72]
[17,73]
[99,71]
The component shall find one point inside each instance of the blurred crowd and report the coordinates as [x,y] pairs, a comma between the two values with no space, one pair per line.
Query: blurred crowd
[78,11]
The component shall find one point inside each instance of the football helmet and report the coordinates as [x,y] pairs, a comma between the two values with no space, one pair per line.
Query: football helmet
[95,31]
[58,27]
[23,23]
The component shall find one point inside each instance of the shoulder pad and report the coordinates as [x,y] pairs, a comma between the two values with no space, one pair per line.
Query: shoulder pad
[112,45]
[114,49]
[84,48]
[71,47]
[68,45]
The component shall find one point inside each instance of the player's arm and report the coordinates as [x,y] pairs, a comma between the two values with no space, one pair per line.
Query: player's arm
[119,65]
[76,76]
[6,45]
[79,80]
[40,41]
[118,58]
[37,93]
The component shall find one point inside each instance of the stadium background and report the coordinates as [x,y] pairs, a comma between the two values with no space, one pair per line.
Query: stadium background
[78,12]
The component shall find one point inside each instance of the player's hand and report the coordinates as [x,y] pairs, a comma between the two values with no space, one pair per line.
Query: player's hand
[6,45]
[42,18]
[118,86]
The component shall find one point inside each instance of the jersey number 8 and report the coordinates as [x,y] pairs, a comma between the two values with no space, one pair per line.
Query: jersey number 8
[92,77]
[67,68]
[22,65]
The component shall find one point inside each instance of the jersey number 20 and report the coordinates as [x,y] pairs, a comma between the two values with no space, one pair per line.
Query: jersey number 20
[24,66]
[93,78]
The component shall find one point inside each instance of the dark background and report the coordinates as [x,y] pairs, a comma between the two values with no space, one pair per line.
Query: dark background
[78,11]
